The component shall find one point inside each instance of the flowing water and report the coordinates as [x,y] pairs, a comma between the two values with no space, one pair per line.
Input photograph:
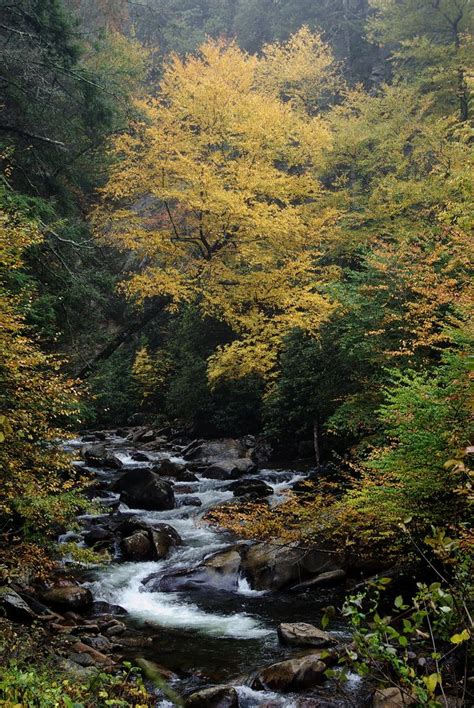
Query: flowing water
[209,637]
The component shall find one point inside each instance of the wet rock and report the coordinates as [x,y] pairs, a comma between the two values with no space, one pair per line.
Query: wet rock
[215,697]
[210,451]
[183,489]
[139,457]
[141,434]
[143,489]
[99,537]
[391,698]
[148,542]
[219,571]
[230,469]
[301,634]
[291,675]
[100,608]
[94,453]
[187,500]
[332,577]
[14,606]
[73,597]
[251,487]
[270,567]
[137,547]
[164,537]
[168,468]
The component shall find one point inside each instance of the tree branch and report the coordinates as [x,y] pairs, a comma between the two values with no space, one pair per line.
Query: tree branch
[32,136]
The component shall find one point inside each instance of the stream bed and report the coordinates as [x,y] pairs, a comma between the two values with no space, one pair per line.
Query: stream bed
[207,637]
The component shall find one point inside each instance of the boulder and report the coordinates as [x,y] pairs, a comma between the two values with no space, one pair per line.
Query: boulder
[230,469]
[99,537]
[168,468]
[141,434]
[301,634]
[270,566]
[94,453]
[149,543]
[391,698]
[139,456]
[97,454]
[250,487]
[220,571]
[137,547]
[100,608]
[164,537]
[71,597]
[187,500]
[215,697]
[143,489]
[98,659]
[14,606]
[291,675]
[332,577]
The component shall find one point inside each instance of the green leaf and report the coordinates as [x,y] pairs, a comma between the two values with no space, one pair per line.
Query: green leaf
[398,601]
[385,581]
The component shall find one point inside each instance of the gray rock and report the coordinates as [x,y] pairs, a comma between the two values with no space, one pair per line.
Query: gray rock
[253,487]
[71,597]
[143,489]
[81,659]
[391,698]
[215,697]
[94,453]
[137,547]
[99,642]
[291,675]
[100,608]
[14,606]
[219,571]
[332,577]
[115,630]
[301,634]
[168,468]
[188,500]
[99,537]
[230,469]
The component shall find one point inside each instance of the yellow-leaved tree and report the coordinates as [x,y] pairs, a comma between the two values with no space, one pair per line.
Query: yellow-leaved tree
[216,192]
[38,489]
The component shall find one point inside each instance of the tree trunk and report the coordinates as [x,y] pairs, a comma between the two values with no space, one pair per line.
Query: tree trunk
[317,454]
[121,338]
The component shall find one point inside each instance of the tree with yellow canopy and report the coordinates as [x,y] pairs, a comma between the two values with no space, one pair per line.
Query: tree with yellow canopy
[216,192]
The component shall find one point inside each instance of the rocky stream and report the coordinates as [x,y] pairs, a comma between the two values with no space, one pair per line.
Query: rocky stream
[225,622]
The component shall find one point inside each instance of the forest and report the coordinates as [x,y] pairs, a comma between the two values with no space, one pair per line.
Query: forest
[236,432]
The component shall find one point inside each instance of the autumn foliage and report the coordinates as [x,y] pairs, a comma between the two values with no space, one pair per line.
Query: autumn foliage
[38,489]
[216,191]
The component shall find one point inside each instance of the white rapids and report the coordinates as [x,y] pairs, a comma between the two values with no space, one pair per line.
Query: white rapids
[121,584]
